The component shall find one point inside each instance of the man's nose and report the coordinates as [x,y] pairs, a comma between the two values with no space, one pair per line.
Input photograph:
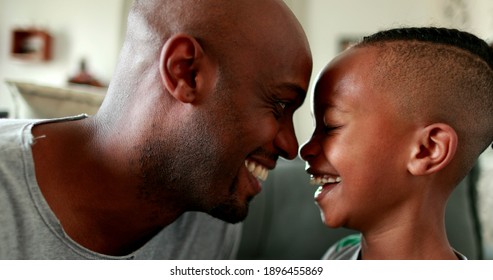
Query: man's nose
[286,142]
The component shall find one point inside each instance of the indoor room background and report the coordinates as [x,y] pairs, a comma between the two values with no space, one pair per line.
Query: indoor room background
[92,31]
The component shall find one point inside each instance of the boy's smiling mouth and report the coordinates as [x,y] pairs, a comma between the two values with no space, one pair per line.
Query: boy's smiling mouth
[325,183]
[321,180]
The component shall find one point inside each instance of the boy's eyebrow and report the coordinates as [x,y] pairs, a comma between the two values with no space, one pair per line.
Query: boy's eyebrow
[330,105]
[333,106]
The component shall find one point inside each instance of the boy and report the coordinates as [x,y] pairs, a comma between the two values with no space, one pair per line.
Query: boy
[401,118]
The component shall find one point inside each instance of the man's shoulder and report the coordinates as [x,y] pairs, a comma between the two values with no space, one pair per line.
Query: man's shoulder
[195,235]
[12,138]
[12,125]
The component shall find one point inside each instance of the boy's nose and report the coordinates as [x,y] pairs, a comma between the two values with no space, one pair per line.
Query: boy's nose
[310,149]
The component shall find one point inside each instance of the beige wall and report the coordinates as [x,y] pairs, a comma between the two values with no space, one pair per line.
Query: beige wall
[81,28]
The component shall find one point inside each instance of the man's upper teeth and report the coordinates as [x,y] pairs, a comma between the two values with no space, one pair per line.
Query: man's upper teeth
[325,179]
[257,170]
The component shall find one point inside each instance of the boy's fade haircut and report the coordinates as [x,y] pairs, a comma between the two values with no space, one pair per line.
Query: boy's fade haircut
[439,75]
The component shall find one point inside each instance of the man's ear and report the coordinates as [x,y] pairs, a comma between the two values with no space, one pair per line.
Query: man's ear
[434,148]
[180,64]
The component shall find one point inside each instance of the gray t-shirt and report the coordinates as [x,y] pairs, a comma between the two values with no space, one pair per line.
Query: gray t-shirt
[30,230]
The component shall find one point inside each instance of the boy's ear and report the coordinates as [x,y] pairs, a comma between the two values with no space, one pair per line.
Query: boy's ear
[182,67]
[434,148]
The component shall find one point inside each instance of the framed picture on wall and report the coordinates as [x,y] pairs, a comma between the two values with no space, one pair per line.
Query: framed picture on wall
[31,44]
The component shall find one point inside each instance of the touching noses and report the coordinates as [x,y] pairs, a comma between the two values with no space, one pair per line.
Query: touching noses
[310,149]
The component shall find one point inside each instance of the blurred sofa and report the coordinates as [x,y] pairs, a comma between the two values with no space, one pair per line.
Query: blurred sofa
[284,222]
[37,101]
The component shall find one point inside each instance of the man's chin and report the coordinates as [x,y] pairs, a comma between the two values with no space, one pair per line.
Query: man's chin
[230,213]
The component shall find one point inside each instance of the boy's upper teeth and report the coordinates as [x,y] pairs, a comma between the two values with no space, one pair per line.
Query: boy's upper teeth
[257,170]
[325,179]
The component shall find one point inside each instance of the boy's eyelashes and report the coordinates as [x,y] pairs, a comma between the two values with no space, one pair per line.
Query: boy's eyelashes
[327,128]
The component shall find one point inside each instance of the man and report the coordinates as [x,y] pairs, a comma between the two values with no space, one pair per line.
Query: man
[200,106]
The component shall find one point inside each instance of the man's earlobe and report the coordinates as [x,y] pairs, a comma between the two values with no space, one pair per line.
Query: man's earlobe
[433,150]
[179,64]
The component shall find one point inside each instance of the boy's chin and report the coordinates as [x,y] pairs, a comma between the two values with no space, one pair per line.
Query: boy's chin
[331,220]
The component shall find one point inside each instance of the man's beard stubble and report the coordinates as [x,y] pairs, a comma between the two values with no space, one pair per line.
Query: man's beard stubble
[185,168]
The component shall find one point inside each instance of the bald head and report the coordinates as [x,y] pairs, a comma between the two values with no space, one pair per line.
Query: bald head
[224,28]
[438,75]
[152,22]
[230,32]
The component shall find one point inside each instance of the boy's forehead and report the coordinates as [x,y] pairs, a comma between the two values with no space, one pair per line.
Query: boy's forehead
[349,64]
[348,82]
[348,72]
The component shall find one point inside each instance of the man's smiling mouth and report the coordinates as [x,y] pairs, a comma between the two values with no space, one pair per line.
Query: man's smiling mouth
[257,170]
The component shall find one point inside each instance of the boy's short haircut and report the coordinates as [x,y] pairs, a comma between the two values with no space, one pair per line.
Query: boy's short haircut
[439,75]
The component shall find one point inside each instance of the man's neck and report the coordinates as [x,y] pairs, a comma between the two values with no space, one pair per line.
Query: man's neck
[93,192]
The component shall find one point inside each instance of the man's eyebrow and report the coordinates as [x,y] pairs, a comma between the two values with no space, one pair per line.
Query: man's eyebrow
[301,92]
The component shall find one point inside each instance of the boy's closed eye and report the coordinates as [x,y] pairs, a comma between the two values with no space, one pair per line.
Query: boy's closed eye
[330,125]
[330,128]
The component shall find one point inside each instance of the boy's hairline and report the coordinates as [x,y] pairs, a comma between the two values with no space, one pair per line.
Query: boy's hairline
[382,44]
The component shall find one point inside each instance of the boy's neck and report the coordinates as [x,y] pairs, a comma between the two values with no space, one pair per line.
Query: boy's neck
[408,241]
